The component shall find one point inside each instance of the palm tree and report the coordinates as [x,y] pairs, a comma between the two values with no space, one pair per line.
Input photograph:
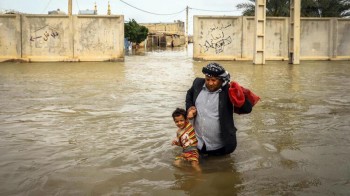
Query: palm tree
[248,8]
[333,8]
[273,8]
[277,8]
[309,8]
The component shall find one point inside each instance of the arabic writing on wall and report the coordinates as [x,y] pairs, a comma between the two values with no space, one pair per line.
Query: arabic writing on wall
[216,39]
[44,33]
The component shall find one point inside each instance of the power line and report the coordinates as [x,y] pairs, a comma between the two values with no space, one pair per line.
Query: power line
[213,10]
[172,18]
[179,11]
[47,5]
[77,5]
[150,12]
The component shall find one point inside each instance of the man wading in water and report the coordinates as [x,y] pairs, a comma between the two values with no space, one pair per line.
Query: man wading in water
[208,101]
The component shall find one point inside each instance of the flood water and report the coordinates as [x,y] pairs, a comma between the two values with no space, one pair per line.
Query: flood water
[105,128]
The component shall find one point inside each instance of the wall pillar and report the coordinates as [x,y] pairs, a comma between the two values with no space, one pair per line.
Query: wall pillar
[260,25]
[334,37]
[294,32]
[70,7]
[186,33]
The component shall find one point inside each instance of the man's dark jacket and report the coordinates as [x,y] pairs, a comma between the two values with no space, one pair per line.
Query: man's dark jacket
[226,109]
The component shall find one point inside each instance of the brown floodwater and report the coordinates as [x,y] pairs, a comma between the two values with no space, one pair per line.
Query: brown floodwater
[105,128]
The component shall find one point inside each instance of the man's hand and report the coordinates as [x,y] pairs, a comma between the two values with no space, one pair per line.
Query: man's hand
[192,112]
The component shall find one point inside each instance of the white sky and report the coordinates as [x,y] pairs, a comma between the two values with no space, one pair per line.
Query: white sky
[221,7]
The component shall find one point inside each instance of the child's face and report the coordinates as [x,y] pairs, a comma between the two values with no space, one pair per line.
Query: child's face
[180,121]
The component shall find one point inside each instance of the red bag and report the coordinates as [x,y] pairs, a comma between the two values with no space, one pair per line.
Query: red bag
[238,93]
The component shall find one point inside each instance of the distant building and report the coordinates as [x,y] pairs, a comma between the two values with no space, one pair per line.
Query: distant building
[12,12]
[165,34]
[56,12]
[87,12]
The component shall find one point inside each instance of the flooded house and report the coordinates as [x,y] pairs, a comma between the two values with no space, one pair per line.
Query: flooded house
[165,34]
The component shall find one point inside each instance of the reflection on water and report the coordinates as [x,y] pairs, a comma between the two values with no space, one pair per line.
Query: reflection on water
[103,128]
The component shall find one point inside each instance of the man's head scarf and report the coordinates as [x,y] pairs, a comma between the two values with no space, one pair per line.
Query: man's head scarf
[216,70]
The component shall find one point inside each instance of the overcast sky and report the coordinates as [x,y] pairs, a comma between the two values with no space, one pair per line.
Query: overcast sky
[163,10]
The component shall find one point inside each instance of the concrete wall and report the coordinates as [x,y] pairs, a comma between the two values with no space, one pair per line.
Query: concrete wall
[248,30]
[276,38]
[217,38]
[61,38]
[232,38]
[98,38]
[342,45]
[10,37]
[326,38]
[46,38]
[315,39]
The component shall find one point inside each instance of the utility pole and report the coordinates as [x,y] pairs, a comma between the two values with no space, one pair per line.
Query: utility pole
[69,7]
[186,33]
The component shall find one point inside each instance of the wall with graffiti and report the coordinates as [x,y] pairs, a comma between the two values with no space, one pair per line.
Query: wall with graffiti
[62,38]
[232,38]
[10,47]
[46,38]
[217,37]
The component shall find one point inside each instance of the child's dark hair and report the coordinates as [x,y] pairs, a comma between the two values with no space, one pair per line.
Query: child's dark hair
[179,112]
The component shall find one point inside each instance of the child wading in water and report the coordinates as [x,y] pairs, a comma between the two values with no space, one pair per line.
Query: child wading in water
[186,138]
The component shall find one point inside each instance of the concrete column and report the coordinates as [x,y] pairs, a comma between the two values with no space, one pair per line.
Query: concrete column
[260,25]
[294,32]
[186,33]
[334,37]
[69,7]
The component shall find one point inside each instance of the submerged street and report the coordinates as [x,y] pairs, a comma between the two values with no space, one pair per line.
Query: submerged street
[105,128]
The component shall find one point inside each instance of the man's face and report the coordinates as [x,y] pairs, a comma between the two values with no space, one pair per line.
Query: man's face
[212,83]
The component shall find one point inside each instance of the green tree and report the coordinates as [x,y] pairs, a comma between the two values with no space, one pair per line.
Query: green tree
[273,8]
[134,32]
[309,8]
[333,8]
